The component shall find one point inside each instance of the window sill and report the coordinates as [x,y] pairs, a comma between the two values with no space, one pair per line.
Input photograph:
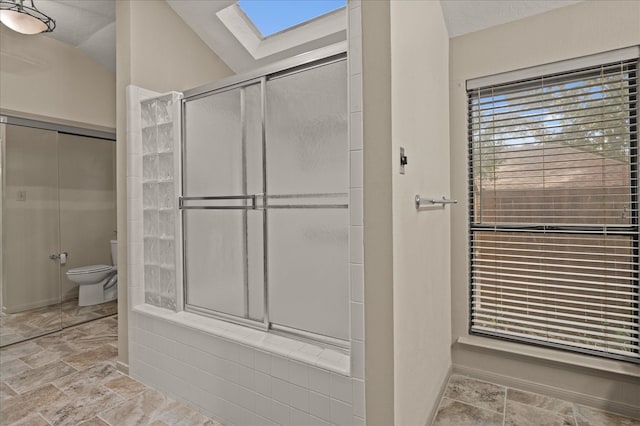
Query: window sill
[593,363]
[317,356]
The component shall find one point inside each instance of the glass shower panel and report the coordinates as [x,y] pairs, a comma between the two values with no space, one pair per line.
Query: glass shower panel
[308,270]
[223,235]
[306,131]
[307,187]
[224,271]
[266,179]
[215,260]
[213,149]
[30,234]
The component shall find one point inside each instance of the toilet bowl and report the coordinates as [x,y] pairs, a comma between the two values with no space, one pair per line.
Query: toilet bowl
[96,283]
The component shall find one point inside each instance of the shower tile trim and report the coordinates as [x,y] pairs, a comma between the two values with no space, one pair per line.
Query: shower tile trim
[314,355]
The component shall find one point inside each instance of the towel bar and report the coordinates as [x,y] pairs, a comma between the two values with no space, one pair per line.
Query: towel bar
[425,202]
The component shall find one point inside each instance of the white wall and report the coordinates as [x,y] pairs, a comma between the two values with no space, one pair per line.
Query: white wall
[577,30]
[44,78]
[421,252]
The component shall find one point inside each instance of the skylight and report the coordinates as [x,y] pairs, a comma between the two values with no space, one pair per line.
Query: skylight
[273,16]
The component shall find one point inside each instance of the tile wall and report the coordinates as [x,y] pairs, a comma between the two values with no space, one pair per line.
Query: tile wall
[229,378]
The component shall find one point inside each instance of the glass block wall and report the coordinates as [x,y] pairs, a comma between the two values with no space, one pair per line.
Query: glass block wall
[160,119]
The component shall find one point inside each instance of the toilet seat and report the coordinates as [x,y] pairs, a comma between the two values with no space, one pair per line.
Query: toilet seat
[89,269]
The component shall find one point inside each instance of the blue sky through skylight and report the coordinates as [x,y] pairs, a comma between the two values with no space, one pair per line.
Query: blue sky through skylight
[272,16]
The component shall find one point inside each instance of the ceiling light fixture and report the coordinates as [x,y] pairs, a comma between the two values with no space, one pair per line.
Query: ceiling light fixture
[24,19]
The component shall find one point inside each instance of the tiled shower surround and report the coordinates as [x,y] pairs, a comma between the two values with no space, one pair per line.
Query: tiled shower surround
[234,374]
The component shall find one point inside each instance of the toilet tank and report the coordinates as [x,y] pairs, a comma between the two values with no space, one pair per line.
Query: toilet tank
[114,252]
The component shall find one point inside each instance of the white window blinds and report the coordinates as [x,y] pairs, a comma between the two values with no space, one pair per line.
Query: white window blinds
[553,190]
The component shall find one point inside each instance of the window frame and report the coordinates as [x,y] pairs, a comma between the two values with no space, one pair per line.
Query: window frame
[525,78]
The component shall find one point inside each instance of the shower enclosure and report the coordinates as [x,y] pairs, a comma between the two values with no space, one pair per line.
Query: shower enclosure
[58,212]
[265,181]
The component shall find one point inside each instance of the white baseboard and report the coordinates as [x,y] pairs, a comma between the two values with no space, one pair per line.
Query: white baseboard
[30,305]
[122,367]
[443,388]
[552,391]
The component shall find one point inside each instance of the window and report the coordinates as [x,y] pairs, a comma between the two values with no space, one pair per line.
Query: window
[553,193]
[272,16]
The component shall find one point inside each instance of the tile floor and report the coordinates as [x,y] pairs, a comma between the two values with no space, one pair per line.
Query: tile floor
[69,378]
[468,401]
[35,322]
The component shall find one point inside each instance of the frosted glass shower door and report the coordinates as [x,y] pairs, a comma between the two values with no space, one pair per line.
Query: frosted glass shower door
[265,202]
[307,187]
[222,169]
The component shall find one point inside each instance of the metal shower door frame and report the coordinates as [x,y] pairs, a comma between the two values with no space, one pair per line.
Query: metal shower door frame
[258,201]
[253,198]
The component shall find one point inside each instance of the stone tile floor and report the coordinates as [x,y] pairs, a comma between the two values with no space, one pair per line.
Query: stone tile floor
[69,378]
[468,401]
[35,322]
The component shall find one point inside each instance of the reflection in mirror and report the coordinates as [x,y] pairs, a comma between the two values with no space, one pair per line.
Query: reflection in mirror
[58,220]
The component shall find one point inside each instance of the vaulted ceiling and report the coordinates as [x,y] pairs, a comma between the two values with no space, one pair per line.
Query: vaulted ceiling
[89,25]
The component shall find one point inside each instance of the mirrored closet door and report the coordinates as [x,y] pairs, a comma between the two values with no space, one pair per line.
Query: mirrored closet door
[58,214]
[30,234]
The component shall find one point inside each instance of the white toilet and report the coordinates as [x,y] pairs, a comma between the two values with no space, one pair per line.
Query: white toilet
[97,283]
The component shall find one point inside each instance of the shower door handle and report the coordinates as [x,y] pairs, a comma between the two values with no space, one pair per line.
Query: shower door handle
[253,199]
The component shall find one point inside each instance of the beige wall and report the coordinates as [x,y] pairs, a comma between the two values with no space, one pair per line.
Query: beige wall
[156,50]
[3,135]
[166,54]
[407,295]
[421,255]
[581,29]
[378,230]
[43,77]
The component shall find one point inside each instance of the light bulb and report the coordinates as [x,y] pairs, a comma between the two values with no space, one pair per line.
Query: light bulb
[21,22]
